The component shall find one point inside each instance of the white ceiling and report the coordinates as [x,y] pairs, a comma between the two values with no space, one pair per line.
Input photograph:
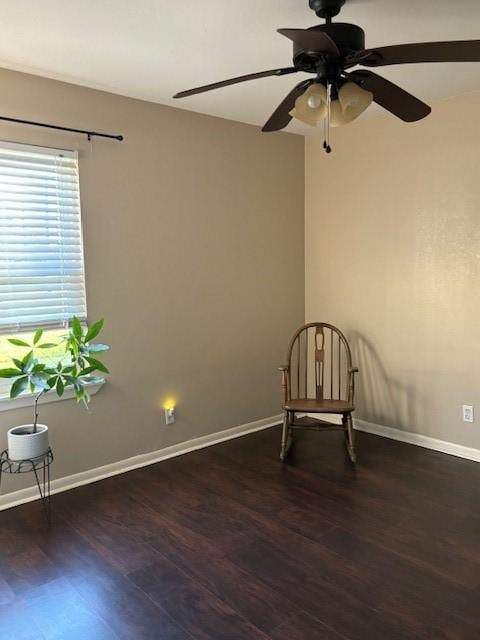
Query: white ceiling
[152,48]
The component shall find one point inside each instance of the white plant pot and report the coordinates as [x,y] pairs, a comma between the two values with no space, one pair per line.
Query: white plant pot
[23,444]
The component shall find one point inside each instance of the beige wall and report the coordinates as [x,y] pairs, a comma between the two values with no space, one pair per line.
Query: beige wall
[393,257]
[194,244]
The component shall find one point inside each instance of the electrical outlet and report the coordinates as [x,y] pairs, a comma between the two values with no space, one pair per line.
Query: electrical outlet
[170,415]
[468,415]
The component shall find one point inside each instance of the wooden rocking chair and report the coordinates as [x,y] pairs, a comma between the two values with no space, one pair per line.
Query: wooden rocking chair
[318,378]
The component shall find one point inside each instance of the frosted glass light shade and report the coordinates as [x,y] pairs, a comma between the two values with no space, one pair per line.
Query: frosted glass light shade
[354,100]
[311,107]
[337,116]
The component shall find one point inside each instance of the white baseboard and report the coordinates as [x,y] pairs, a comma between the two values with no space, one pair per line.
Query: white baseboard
[419,440]
[409,437]
[29,494]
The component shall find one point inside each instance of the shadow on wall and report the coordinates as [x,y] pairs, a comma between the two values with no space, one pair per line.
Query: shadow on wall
[380,398]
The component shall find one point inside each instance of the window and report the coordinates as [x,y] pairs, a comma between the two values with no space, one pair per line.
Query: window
[42,282]
[42,279]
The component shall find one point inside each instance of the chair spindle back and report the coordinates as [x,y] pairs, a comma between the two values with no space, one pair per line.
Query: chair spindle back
[319,360]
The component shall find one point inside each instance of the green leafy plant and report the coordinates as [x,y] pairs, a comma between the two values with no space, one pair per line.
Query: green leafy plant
[76,367]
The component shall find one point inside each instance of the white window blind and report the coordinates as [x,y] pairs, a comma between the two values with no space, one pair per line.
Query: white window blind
[42,282]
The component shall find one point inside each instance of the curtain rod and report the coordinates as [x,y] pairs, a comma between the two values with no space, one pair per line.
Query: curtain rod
[89,134]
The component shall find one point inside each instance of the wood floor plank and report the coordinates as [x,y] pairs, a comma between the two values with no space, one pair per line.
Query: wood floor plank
[121,535]
[303,626]
[59,612]
[6,594]
[206,617]
[26,569]
[414,588]
[305,586]
[241,590]
[17,624]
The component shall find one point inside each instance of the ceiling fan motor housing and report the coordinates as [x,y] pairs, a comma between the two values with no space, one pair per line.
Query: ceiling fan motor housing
[349,38]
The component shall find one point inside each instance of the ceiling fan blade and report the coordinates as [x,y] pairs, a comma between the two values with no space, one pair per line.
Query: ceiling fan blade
[310,40]
[281,116]
[455,51]
[390,96]
[225,83]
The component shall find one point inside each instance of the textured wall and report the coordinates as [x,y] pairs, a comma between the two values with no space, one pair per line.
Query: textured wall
[393,257]
[194,247]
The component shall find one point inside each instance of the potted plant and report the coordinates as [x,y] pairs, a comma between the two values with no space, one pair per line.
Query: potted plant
[76,368]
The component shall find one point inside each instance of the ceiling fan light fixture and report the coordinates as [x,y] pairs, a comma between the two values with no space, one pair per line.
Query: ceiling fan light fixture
[353,100]
[303,117]
[311,107]
[338,117]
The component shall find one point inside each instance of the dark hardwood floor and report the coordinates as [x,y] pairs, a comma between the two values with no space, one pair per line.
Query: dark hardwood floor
[227,543]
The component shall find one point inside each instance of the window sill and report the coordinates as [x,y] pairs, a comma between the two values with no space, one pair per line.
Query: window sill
[26,399]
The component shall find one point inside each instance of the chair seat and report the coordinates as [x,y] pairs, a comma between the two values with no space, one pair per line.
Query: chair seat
[310,405]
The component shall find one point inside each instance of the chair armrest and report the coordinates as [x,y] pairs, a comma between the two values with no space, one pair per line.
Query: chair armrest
[285,370]
[351,385]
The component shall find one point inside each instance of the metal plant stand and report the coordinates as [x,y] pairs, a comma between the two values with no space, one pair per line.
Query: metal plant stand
[39,466]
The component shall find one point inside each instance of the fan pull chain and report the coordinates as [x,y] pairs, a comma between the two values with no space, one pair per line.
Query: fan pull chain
[326,125]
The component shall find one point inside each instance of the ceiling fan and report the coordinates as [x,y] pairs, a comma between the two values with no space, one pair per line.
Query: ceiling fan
[335,95]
